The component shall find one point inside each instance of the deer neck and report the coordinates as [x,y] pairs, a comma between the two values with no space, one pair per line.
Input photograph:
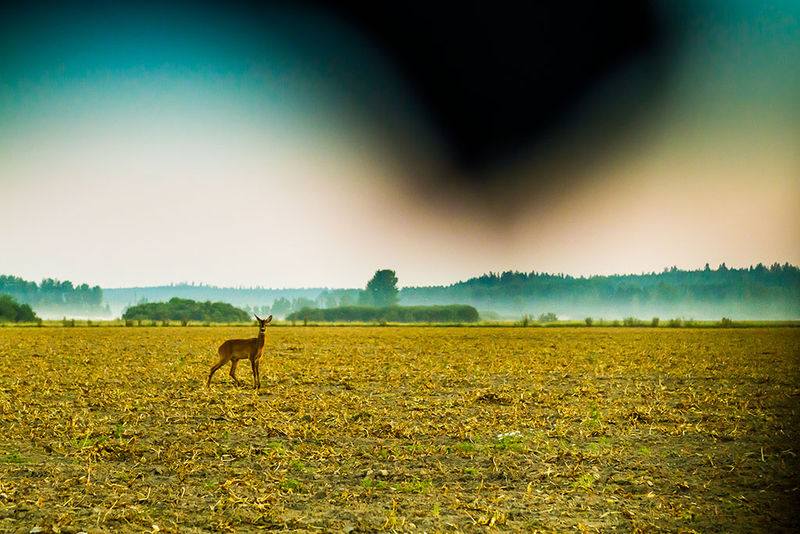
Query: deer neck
[260,339]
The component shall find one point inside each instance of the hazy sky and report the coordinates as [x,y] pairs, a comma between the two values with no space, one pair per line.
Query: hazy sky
[285,148]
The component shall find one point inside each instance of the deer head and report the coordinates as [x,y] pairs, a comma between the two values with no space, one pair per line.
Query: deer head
[262,323]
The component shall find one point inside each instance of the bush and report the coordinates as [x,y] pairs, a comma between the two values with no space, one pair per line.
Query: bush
[13,312]
[675,323]
[185,310]
[393,314]
[589,321]
[726,323]
[654,322]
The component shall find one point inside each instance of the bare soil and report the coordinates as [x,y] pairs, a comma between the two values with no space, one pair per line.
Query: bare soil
[110,429]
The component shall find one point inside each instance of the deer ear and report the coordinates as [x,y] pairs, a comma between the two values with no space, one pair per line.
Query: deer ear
[257,317]
[268,319]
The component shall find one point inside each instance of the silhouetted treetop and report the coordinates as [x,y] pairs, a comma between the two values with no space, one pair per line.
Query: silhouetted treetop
[381,290]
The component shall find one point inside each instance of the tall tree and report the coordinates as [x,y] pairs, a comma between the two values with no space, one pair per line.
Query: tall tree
[381,290]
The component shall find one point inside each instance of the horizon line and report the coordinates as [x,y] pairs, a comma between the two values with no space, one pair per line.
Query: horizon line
[489,273]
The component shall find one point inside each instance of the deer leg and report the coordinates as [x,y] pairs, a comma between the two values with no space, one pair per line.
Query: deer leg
[214,370]
[254,365]
[258,373]
[234,363]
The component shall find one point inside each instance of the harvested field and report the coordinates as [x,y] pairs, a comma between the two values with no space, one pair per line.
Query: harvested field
[111,429]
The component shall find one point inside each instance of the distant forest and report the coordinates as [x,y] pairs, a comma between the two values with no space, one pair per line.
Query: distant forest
[758,292]
[55,298]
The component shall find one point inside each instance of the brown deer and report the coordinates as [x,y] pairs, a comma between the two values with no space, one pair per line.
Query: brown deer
[234,350]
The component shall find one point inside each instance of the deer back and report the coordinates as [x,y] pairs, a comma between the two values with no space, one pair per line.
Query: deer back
[238,349]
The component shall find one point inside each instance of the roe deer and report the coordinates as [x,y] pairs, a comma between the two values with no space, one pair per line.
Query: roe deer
[234,350]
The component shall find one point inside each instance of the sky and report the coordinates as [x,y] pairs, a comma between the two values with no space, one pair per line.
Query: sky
[309,144]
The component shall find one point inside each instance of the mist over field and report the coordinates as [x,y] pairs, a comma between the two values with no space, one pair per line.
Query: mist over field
[766,293]
[754,293]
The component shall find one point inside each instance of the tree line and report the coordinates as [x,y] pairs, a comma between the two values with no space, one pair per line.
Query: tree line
[378,303]
[380,292]
[758,291]
[453,313]
[54,296]
[252,299]
[185,310]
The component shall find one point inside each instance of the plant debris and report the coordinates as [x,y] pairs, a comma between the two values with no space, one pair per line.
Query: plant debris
[112,429]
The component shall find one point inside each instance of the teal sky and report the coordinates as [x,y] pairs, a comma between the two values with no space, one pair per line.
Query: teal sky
[157,144]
